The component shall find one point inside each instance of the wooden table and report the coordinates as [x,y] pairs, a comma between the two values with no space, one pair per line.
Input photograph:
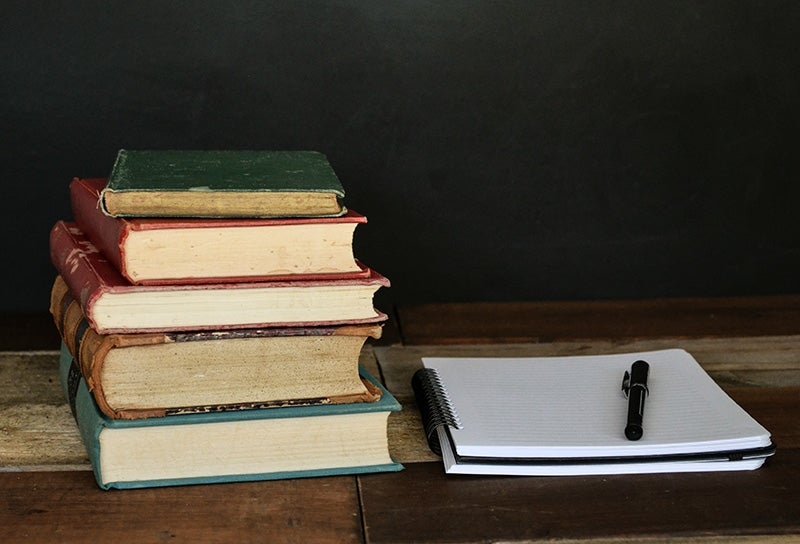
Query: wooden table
[751,346]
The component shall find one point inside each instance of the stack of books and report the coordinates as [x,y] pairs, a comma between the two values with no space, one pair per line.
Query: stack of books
[212,314]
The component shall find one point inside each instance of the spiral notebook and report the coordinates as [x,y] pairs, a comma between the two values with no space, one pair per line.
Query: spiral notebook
[566,416]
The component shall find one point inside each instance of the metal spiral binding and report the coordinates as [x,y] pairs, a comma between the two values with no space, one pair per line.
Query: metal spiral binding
[435,405]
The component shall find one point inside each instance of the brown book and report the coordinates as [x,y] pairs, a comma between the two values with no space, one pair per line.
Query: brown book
[140,375]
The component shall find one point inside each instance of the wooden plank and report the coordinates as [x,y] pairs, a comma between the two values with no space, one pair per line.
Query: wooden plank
[776,408]
[44,507]
[768,395]
[759,361]
[531,322]
[422,504]
[37,430]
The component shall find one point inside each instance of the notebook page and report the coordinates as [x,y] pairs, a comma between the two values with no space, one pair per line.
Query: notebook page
[452,466]
[573,407]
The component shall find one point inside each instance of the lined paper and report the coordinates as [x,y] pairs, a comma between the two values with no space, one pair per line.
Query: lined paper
[566,407]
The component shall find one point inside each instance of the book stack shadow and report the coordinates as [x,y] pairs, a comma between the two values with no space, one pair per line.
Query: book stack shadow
[212,314]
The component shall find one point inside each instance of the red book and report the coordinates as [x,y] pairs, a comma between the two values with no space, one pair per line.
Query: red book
[113,304]
[181,250]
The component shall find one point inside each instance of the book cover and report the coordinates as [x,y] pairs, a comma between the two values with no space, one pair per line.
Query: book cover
[141,375]
[113,304]
[190,250]
[567,415]
[292,442]
[229,183]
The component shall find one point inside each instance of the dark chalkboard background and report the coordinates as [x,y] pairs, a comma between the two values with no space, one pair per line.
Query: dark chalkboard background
[502,150]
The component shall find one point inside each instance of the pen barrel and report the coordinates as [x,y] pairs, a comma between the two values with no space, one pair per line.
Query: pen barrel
[634,430]
[637,393]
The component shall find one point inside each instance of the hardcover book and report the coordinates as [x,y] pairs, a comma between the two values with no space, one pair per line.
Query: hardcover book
[222,184]
[140,375]
[272,443]
[113,304]
[170,250]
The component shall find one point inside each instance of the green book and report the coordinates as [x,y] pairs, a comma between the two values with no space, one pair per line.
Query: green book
[222,184]
[245,445]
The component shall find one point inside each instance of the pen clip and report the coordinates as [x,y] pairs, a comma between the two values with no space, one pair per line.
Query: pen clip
[627,378]
[626,384]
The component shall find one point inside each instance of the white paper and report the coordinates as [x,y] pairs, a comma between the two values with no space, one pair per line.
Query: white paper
[567,407]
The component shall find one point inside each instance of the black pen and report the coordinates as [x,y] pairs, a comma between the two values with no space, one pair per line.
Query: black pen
[634,386]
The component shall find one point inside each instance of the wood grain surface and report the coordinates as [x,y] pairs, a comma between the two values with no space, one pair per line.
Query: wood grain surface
[46,507]
[533,322]
[422,504]
[750,346]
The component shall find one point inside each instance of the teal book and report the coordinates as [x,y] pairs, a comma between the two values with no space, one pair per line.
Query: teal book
[224,183]
[233,446]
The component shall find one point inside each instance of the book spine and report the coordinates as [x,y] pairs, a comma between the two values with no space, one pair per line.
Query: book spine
[435,406]
[67,315]
[72,263]
[60,299]
[106,233]
[90,348]
[87,416]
